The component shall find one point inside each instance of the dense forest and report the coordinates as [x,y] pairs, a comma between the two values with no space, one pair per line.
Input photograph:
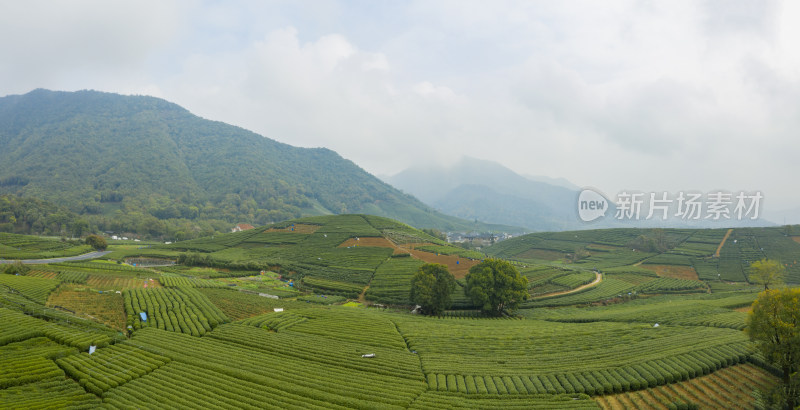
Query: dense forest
[35,216]
[143,165]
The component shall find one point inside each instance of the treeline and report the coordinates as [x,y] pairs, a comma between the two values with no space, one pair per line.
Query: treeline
[33,216]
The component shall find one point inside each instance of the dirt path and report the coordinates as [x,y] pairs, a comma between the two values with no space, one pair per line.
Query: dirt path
[724,238]
[361,297]
[598,278]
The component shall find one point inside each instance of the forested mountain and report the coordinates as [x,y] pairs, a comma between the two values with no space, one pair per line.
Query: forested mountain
[142,164]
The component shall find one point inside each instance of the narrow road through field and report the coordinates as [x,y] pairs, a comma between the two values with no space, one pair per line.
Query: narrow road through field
[85,256]
[725,238]
[598,278]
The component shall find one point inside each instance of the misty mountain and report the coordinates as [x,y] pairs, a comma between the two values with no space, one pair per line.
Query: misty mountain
[562,182]
[487,191]
[784,217]
[140,163]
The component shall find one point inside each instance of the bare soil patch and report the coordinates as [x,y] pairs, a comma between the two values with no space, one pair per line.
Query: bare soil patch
[457,265]
[373,242]
[724,238]
[796,239]
[673,271]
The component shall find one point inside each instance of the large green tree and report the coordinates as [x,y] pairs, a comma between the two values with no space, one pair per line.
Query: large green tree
[767,272]
[774,324]
[496,285]
[432,288]
[97,242]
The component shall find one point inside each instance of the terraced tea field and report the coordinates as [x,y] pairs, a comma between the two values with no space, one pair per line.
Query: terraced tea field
[726,388]
[13,246]
[644,336]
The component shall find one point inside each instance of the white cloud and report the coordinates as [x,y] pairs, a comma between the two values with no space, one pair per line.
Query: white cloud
[78,44]
[619,95]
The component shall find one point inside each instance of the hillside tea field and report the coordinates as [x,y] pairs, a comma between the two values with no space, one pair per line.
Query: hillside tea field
[311,314]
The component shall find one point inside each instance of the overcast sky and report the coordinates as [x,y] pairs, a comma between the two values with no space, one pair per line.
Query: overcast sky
[618,95]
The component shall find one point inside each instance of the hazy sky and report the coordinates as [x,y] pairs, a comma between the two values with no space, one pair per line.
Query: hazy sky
[649,95]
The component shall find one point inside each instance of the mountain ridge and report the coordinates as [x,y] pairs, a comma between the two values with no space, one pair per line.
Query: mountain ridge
[485,190]
[107,156]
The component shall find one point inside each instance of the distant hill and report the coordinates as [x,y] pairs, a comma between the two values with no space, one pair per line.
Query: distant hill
[490,192]
[784,217]
[333,254]
[704,254]
[142,164]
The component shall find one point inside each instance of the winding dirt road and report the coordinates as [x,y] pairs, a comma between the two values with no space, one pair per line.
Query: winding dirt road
[598,278]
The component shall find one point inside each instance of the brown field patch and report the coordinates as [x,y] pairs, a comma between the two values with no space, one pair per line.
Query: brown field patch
[457,265]
[297,228]
[541,254]
[722,243]
[373,242]
[796,239]
[673,271]
[744,309]
[102,282]
[107,307]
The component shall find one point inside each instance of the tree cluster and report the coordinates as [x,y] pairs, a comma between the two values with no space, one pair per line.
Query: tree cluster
[16,268]
[767,272]
[97,242]
[774,324]
[657,241]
